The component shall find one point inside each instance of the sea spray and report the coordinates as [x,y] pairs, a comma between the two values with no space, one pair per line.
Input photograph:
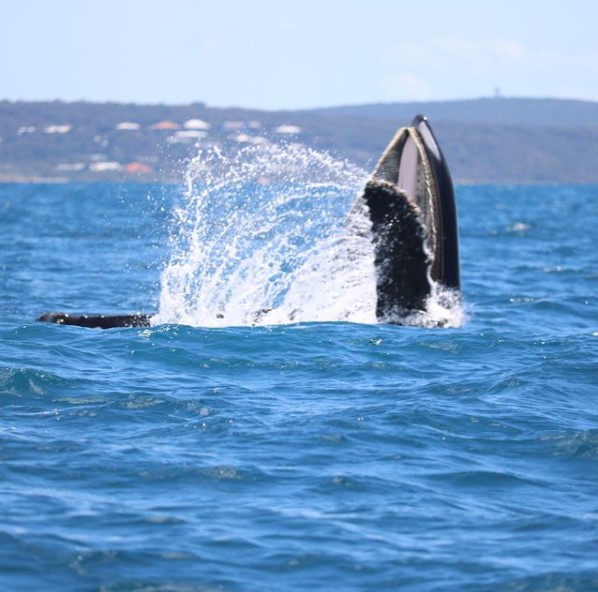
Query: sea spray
[267,235]
[261,237]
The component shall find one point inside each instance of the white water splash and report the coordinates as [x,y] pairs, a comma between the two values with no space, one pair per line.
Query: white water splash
[262,237]
[444,308]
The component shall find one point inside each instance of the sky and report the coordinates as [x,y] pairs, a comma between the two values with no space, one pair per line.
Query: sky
[274,54]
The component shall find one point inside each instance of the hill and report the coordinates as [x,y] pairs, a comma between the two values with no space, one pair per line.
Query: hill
[486,140]
[490,111]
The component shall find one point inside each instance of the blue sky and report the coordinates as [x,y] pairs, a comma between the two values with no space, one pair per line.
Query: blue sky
[287,55]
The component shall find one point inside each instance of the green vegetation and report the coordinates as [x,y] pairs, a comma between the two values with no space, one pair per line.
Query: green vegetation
[485,141]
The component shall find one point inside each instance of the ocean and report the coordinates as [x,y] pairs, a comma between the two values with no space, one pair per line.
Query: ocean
[306,448]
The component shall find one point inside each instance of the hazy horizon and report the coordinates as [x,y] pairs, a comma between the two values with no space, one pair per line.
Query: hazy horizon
[267,56]
[315,108]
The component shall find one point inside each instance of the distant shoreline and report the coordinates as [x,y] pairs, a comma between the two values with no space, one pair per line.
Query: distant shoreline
[497,141]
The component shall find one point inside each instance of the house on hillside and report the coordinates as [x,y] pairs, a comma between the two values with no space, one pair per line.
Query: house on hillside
[288,129]
[165,126]
[138,168]
[247,139]
[233,126]
[58,129]
[70,167]
[105,167]
[127,126]
[196,124]
[186,136]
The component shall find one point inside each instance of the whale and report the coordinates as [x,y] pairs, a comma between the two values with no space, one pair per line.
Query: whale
[410,201]
[97,321]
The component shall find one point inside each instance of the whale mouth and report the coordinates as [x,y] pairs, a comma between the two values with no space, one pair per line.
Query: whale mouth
[411,205]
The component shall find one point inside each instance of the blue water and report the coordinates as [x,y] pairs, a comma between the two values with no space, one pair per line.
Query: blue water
[328,455]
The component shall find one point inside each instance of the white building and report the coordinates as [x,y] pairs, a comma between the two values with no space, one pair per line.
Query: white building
[127,126]
[196,124]
[105,166]
[58,129]
[186,136]
[288,129]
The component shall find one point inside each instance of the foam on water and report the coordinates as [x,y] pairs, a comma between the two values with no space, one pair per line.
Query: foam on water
[262,236]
